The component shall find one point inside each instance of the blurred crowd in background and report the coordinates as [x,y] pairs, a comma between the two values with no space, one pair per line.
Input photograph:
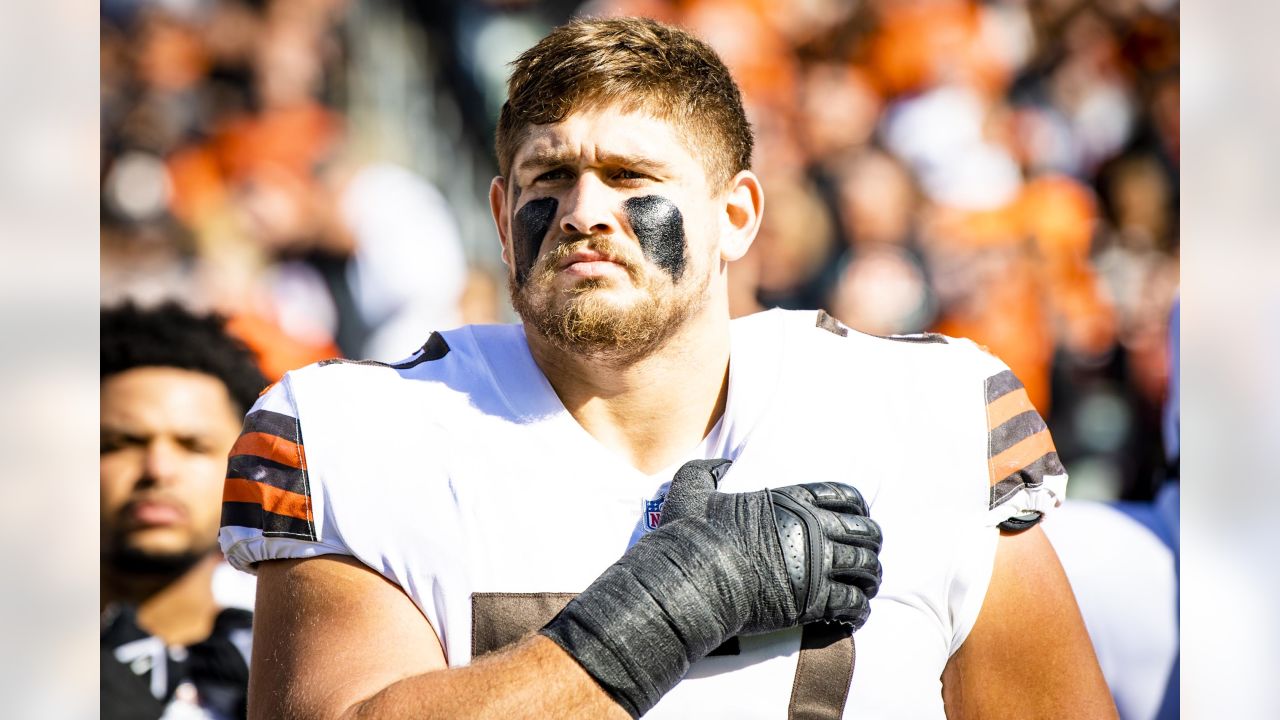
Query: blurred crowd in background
[1003,170]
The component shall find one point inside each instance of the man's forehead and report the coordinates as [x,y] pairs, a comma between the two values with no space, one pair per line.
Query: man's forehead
[166,398]
[604,135]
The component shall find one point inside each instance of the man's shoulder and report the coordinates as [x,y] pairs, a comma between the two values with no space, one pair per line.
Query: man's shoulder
[441,349]
[815,340]
[460,359]
[342,432]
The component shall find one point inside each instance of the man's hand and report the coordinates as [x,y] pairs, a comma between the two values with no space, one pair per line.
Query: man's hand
[720,565]
[830,579]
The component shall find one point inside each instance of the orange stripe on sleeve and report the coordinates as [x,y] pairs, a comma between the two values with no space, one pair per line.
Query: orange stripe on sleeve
[1022,454]
[1007,406]
[270,447]
[280,502]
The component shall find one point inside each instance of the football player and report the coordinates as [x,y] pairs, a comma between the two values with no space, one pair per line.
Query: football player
[628,504]
[174,386]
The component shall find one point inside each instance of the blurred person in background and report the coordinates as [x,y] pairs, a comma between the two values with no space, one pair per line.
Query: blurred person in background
[1123,560]
[367,255]
[882,287]
[174,388]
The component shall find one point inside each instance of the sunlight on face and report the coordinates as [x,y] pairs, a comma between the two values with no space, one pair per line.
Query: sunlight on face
[613,238]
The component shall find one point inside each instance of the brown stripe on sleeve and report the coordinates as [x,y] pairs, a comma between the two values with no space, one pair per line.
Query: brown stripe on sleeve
[267,486]
[1007,406]
[1013,431]
[1001,384]
[1030,476]
[280,502]
[268,472]
[273,423]
[1022,454]
[271,447]
[251,515]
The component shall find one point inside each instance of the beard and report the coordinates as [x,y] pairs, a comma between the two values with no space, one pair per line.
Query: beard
[127,560]
[584,322]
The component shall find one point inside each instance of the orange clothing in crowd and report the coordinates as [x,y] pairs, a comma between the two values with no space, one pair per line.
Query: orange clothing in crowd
[1045,292]
[1007,316]
[294,140]
[277,351]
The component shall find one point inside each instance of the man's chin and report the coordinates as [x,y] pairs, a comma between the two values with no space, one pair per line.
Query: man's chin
[601,323]
[140,557]
[613,298]
[609,318]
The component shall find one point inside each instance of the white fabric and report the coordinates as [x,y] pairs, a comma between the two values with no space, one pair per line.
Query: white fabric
[409,268]
[1124,581]
[233,589]
[466,474]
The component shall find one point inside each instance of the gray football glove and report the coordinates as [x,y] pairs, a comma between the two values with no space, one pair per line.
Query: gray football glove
[719,565]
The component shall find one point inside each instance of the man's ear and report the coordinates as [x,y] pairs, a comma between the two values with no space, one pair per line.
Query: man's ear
[743,211]
[501,218]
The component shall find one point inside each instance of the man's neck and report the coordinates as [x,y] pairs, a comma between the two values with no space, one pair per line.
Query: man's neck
[179,610]
[655,409]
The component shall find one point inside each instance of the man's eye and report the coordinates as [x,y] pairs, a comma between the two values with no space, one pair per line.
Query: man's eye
[552,175]
[196,445]
[625,174]
[113,442]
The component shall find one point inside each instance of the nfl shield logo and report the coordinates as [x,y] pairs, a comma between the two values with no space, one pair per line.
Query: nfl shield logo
[653,512]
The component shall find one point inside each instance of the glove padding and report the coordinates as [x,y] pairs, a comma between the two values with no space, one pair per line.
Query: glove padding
[831,579]
[720,565]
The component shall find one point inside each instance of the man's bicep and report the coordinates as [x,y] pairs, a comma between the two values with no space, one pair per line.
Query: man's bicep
[328,633]
[1029,654]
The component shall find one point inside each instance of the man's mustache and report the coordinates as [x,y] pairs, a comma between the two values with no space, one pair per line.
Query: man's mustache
[620,252]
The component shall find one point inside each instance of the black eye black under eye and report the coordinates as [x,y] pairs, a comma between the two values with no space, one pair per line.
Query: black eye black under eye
[659,226]
[532,221]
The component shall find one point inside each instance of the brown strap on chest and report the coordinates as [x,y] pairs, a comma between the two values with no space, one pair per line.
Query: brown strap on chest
[823,673]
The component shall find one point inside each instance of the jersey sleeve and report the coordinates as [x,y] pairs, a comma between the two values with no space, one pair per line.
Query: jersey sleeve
[269,505]
[1025,475]
[1023,480]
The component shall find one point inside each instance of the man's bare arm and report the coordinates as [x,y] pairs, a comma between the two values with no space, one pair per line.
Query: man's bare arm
[335,640]
[1028,655]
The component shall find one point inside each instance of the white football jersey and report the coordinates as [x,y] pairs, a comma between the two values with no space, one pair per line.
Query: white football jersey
[458,475]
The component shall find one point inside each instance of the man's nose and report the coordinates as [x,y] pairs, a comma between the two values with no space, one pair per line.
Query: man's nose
[589,208]
[162,461]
